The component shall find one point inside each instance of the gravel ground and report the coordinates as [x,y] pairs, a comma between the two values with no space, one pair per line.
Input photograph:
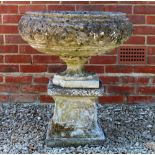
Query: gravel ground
[128,129]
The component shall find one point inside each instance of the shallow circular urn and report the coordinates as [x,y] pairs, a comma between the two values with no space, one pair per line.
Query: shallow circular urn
[75,37]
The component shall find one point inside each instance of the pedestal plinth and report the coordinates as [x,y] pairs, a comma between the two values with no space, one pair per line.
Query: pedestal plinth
[75,117]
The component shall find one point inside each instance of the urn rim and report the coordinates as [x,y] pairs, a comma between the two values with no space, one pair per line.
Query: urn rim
[76,13]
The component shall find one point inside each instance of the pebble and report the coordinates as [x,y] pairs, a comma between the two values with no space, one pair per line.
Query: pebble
[127,129]
[136,144]
[149,126]
[6,148]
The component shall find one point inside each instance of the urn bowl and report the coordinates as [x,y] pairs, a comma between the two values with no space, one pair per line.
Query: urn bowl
[75,36]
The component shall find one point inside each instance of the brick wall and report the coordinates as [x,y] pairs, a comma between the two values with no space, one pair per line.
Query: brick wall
[24,72]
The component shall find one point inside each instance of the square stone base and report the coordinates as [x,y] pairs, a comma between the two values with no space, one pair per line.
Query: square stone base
[65,142]
[52,141]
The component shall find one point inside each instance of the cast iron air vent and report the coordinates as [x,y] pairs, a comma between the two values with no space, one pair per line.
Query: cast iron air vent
[132,55]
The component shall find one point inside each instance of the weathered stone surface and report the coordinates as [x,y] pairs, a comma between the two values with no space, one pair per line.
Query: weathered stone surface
[90,81]
[75,118]
[74,113]
[65,142]
[75,36]
[74,33]
[54,90]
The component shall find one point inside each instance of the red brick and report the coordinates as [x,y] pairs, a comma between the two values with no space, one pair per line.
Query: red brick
[1,78]
[4,98]
[128,80]
[144,69]
[103,2]
[94,69]
[39,58]
[138,2]
[9,88]
[18,79]
[103,60]
[11,18]
[46,99]
[46,59]
[133,2]
[150,2]
[135,40]
[121,89]
[90,8]
[23,98]
[137,19]
[142,80]
[8,8]
[144,30]
[111,99]
[153,81]
[144,9]
[23,9]
[150,19]
[45,2]
[75,2]
[134,80]
[9,49]
[119,69]
[119,8]
[9,68]
[14,39]
[151,40]
[1,59]
[151,59]
[1,39]
[33,88]
[109,79]
[18,59]
[61,8]
[0,19]
[139,99]
[16,2]
[33,68]
[26,49]
[151,50]
[146,90]
[8,29]
[41,79]
[56,68]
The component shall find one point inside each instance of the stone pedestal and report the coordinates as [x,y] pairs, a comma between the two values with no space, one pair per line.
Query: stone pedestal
[75,37]
[75,117]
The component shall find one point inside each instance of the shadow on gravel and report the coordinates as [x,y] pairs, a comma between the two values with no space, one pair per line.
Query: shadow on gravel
[127,127]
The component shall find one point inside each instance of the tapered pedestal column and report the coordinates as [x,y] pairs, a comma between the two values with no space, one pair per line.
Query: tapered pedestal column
[75,117]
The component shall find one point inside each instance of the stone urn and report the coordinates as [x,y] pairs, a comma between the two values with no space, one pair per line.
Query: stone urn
[75,37]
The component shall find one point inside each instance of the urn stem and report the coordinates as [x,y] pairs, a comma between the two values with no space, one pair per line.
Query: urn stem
[75,64]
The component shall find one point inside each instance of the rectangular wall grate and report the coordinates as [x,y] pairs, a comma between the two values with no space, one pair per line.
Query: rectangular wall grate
[131,55]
